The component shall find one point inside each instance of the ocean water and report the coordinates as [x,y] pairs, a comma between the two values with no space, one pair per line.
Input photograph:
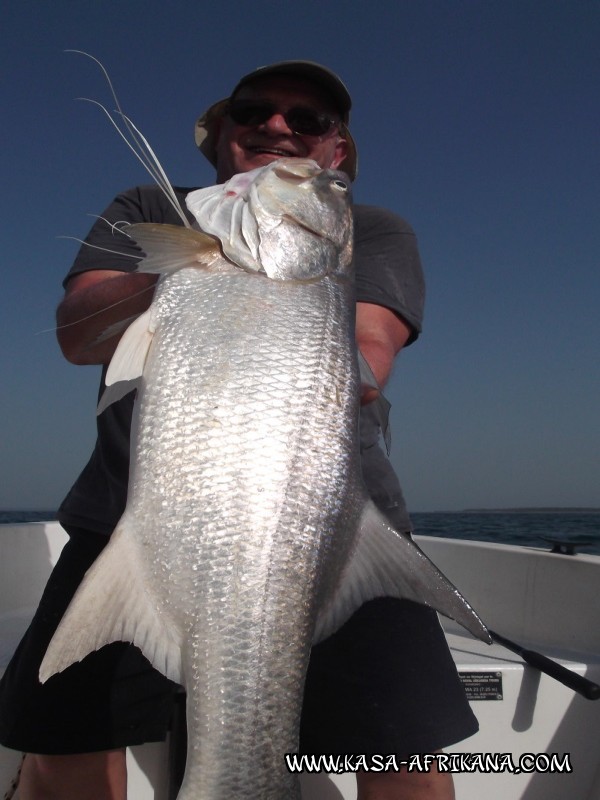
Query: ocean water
[531,528]
[26,516]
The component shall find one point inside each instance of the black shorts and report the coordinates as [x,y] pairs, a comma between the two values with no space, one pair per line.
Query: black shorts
[385,682]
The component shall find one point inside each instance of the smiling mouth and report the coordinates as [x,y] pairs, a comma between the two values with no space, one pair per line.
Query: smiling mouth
[274,151]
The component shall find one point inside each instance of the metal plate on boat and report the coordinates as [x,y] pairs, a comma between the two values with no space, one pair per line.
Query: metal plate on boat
[482,685]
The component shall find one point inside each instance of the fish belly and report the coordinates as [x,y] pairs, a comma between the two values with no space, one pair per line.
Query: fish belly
[244,439]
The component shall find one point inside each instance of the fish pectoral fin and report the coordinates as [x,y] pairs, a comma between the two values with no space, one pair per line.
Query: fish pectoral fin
[386,563]
[137,343]
[113,604]
[169,248]
[113,330]
[115,392]
[127,364]
[381,404]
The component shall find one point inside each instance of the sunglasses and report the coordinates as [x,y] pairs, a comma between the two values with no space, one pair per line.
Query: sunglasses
[301,120]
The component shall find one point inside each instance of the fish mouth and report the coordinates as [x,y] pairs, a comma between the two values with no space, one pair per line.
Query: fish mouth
[307,227]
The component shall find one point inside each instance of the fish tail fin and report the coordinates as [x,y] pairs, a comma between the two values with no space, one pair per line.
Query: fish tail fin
[112,604]
[386,563]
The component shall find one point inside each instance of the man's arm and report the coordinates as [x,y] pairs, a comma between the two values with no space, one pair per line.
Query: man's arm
[380,335]
[103,289]
[93,302]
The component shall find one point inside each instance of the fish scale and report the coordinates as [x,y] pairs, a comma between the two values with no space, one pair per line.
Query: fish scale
[244,442]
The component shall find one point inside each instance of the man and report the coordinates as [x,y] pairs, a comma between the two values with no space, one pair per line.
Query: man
[384,683]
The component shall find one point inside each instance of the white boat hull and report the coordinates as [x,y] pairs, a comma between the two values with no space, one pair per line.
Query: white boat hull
[546,602]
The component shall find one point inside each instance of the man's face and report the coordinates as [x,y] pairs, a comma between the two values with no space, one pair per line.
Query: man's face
[241,148]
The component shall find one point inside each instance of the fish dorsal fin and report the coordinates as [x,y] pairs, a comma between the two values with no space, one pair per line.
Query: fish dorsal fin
[115,594]
[386,563]
[169,248]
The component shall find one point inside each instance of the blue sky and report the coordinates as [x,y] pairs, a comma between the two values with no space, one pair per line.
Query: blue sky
[476,120]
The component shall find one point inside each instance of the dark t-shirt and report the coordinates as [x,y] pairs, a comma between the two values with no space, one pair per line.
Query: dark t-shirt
[388,273]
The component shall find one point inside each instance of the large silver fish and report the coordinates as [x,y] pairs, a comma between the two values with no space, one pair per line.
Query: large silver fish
[248,533]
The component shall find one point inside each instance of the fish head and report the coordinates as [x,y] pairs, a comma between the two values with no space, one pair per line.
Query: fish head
[290,220]
[305,220]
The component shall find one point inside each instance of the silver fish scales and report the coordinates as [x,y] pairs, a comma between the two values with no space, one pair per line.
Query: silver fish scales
[247,531]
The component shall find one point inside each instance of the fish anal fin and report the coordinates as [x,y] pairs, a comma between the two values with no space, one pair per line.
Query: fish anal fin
[114,596]
[386,563]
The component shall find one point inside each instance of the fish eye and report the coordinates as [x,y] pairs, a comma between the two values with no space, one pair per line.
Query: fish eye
[340,185]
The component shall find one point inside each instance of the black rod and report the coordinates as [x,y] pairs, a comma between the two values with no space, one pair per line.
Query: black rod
[573,680]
